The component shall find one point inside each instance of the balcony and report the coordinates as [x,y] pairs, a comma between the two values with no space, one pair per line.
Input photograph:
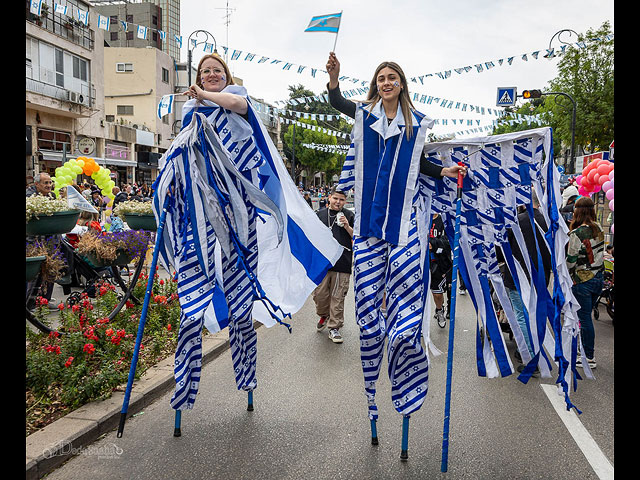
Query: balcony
[63,26]
[77,103]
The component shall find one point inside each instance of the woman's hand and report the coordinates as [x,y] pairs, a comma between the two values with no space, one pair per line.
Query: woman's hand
[453,170]
[194,92]
[333,68]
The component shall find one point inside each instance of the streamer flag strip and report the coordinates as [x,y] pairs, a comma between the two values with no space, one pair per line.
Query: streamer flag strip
[504,172]
[244,243]
[325,23]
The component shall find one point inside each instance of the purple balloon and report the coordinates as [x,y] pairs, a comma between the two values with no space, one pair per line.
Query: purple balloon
[611,205]
[606,186]
[609,194]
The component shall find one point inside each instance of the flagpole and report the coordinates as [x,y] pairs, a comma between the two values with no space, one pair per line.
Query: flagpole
[452,316]
[338,31]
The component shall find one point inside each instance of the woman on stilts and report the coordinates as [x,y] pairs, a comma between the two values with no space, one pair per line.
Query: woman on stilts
[390,242]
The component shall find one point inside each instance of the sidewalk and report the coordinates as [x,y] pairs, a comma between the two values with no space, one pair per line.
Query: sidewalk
[50,447]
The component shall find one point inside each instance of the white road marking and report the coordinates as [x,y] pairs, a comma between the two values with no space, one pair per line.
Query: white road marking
[599,462]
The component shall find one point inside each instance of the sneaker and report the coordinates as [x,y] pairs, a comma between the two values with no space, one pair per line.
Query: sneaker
[462,291]
[321,324]
[334,335]
[590,361]
[440,318]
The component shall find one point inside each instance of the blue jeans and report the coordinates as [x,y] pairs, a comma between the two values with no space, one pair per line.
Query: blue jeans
[518,309]
[586,294]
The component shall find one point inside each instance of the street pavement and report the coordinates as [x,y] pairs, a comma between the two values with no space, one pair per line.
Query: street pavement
[310,418]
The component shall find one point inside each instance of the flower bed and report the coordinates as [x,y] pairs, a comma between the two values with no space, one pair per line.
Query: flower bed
[92,358]
[105,248]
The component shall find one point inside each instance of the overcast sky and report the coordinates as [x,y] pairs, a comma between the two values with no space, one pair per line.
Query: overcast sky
[422,36]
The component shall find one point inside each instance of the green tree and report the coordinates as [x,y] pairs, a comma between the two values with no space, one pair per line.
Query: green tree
[311,160]
[586,74]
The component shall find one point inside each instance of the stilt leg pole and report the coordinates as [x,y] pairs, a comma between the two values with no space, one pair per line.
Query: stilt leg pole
[143,319]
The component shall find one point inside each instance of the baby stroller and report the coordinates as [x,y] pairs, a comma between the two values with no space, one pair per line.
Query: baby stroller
[86,275]
[606,297]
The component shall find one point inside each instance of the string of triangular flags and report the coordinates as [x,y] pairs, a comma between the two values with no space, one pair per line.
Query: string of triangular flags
[104,22]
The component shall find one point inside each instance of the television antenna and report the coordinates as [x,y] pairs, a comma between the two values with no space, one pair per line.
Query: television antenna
[227,18]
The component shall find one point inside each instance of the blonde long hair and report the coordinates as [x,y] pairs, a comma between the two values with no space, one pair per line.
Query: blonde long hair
[217,57]
[373,97]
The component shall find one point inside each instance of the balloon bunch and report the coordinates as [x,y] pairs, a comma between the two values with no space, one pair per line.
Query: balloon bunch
[597,176]
[594,176]
[66,174]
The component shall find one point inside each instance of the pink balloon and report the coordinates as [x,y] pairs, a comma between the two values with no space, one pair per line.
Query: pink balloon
[582,191]
[578,179]
[609,194]
[596,189]
[603,168]
[596,178]
[591,175]
[610,166]
[603,179]
[607,185]
[611,174]
[611,205]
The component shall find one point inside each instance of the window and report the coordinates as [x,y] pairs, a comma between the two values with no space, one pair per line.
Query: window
[59,68]
[129,35]
[154,19]
[79,69]
[113,19]
[53,140]
[125,110]
[110,118]
[129,18]
[124,67]
[113,36]
[165,75]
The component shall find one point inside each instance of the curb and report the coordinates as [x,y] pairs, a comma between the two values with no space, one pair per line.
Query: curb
[56,443]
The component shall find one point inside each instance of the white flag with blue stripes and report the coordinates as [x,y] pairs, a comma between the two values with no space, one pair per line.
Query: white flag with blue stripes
[165,107]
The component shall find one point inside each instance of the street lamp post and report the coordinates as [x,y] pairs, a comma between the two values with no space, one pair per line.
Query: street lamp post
[573,129]
[195,44]
[558,34]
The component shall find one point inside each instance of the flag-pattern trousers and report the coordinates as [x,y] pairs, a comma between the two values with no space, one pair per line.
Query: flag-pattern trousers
[397,272]
[196,293]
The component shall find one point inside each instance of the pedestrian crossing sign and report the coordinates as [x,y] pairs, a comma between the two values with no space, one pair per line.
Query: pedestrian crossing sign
[506,96]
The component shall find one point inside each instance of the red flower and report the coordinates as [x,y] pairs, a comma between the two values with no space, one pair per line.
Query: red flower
[169,327]
[102,290]
[116,340]
[108,332]
[89,348]
[61,306]
[75,308]
[53,334]
[161,282]
[67,364]
[121,333]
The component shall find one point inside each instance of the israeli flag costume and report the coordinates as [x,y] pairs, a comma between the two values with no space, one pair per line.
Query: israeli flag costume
[243,242]
[390,251]
[504,170]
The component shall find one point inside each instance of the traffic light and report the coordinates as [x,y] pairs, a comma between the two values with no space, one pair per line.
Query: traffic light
[527,94]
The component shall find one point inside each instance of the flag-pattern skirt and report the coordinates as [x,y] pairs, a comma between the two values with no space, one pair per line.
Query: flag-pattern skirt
[382,269]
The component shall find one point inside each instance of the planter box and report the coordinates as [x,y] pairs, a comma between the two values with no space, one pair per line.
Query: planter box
[141,222]
[121,260]
[33,266]
[55,224]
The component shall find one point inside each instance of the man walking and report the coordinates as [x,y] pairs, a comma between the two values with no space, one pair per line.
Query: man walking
[329,295]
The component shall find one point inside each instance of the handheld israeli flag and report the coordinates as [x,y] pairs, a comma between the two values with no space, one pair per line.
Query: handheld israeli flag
[326,23]
[77,201]
[165,106]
